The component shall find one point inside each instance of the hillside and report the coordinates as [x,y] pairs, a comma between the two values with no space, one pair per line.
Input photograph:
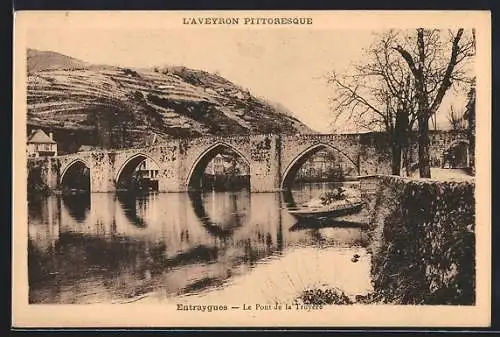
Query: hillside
[114,107]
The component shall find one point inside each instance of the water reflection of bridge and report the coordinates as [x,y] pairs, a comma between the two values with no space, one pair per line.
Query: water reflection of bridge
[186,241]
[197,218]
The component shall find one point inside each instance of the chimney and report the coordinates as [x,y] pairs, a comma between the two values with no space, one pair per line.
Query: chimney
[51,136]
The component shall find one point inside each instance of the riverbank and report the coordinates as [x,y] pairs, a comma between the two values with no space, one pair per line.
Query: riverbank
[421,240]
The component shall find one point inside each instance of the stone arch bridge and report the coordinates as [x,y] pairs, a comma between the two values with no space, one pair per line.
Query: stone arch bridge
[272,159]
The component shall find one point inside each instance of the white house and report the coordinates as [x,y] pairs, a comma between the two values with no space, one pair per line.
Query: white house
[41,145]
[148,169]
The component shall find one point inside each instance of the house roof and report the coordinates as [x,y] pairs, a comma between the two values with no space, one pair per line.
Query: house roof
[39,137]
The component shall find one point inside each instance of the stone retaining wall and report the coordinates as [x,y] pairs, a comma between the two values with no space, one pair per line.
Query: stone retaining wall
[422,239]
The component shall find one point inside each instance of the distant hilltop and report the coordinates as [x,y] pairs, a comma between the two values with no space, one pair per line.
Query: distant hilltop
[106,106]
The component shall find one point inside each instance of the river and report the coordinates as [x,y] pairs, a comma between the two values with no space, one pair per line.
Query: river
[224,247]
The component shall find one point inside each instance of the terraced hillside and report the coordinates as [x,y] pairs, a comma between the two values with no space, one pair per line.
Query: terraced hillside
[114,107]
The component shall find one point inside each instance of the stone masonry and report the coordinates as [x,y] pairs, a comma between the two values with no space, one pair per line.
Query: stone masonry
[272,159]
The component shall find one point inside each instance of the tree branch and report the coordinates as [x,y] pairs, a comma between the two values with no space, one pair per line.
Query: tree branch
[408,58]
[446,82]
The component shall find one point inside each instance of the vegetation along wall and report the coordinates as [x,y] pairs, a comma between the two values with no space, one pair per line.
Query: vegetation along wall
[422,241]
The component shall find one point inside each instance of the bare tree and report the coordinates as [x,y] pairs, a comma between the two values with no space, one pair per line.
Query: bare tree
[378,95]
[434,71]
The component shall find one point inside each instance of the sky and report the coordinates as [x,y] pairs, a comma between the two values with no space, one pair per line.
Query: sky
[282,65]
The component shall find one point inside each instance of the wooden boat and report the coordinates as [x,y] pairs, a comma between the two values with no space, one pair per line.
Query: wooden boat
[328,211]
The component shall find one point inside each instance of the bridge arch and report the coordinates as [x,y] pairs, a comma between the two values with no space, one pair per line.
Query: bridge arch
[303,156]
[197,168]
[73,165]
[131,163]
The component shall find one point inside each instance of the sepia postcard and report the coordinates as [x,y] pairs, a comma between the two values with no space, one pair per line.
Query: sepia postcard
[251,169]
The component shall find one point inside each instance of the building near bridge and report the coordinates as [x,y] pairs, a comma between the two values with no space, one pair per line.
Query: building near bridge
[217,165]
[226,172]
[41,145]
[324,166]
[226,164]
[147,169]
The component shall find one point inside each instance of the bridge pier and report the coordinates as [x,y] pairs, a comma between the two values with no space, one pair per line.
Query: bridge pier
[171,184]
[264,181]
[102,181]
[102,172]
